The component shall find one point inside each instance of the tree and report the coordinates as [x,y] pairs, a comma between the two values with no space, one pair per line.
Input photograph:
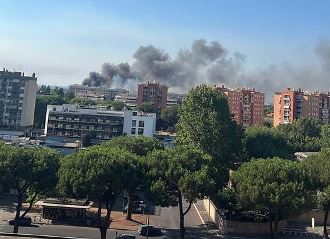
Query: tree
[98,173]
[59,91]
[169,117]
[264,142]
[177,174]
[147,107]
[141,146]
[41,108]
[303,134]
[325,136]
[117,105]
[29,170]
[319,166]
[280,188]
[206,123]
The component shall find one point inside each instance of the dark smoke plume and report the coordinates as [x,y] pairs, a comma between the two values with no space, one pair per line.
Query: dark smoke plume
[210,63]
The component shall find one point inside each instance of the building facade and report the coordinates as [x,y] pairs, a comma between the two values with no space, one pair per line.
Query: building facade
[17,99]
[291,104]
[246,105]
[75,121]
[154,93]
[139,123]
[95,93]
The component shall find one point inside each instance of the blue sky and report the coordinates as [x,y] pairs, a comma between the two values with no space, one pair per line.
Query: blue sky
[63,40]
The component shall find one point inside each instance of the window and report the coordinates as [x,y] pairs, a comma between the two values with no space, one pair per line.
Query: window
[134,113]
[133,130]
[140,131]
[141,123]
[133,123]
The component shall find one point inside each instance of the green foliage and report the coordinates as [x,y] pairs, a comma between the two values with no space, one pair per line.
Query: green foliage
[206,123]
[147,107]
[319,166]
[264,142]
[303,134]
[169,117]
[325,136]
[279,187]
[118,105]
[139,145]
[41,108]
[179,171]
[32,169]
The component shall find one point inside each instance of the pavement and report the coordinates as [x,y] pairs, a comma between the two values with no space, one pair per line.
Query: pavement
[165,218]
[197,225]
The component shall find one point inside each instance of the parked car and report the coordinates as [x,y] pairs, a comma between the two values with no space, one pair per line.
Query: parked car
[125,236]
[149,230]
[25,221]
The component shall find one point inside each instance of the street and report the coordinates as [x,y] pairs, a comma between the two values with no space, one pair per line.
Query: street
[167,220]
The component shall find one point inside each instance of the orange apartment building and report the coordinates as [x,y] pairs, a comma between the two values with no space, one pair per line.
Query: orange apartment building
[246,105]
[153,93]
[291,104]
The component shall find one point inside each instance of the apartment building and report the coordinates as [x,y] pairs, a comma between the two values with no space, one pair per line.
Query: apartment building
[17,99]
[131,99]
[175,98]
[154,93]
[95,93]
[128,99]
[246,105]
[291,104]
[74,121]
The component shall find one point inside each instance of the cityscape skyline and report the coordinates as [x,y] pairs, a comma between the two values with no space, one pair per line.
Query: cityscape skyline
[275,39]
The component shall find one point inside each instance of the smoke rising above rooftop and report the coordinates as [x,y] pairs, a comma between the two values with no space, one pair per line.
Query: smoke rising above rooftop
[210,63]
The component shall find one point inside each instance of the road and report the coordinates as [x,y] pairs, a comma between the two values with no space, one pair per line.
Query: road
[168,220]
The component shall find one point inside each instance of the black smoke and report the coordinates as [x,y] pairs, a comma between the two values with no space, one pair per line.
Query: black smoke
[211,63]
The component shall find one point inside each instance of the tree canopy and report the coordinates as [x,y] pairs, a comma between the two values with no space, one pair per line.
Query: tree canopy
[177,174]
[319,166]
[41,108]
[280,188]
[303,134]
[139,145]
[169,117]
[29,170]
[264,142]
[205,122]
[99,173]
[147,107]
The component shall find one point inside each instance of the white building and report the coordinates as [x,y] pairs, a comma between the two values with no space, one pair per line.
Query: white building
[139,123]
[75,121]
[17,99]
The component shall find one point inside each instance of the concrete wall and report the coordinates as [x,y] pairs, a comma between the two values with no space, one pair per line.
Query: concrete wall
[29,101]
[307,217]
[235,227]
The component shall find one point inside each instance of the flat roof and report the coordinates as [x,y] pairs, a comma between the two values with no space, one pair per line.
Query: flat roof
[62,205]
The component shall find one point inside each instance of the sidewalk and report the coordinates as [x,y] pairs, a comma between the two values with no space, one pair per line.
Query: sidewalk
[211,227]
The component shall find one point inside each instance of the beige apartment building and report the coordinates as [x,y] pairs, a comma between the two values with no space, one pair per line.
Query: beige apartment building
[291,104]
[246,105]
[17,99]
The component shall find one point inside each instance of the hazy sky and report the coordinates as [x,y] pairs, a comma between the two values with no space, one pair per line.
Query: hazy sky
[62,40]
